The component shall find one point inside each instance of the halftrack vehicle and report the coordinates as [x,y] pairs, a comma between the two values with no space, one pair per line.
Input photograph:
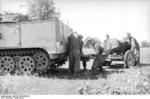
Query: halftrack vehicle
[32,46]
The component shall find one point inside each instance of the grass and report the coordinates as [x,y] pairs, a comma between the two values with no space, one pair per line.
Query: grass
[112,81]
[135,80]
[145,56]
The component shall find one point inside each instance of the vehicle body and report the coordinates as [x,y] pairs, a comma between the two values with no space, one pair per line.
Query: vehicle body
[33,45]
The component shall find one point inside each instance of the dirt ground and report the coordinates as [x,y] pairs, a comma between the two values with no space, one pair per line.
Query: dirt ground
[113,80]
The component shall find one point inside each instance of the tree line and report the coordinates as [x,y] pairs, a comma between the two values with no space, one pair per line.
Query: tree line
[38,10]
[145,44]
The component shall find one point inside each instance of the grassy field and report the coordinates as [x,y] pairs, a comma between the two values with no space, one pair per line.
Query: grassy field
[135,80]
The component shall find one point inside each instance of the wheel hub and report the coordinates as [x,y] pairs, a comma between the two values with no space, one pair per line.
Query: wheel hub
[130,60]
[6,64]
[41,61]
[26,65]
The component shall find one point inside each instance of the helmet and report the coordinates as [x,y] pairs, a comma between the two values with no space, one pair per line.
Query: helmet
[80,36]
[128,35]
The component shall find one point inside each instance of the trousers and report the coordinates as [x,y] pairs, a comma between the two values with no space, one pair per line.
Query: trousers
[74,60]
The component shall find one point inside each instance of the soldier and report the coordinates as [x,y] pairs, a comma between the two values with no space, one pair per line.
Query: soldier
[99,60]
[74,52]
[82,54]
[106,43]
[107,37]
[134,46]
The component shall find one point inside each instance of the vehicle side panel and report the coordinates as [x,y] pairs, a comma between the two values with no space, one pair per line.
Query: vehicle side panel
[39,34]
[9,35]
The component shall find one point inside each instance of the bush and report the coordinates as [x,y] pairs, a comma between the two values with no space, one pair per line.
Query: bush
[90,42]
[145,44]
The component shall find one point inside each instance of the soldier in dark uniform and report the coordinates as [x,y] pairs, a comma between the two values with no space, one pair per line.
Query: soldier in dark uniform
[82,54]
[99,60]
[74,52]
[135,47]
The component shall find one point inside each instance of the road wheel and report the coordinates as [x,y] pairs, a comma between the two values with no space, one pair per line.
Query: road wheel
[41,60]
[129,59]
[7,65]
[26,65]
[16,60]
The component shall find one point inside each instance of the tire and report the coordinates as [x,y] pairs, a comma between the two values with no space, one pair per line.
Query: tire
[26,65]
[129,59]
[7,65]
[41,61]
[137,56]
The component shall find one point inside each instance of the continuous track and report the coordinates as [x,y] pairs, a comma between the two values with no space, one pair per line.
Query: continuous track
[23,60]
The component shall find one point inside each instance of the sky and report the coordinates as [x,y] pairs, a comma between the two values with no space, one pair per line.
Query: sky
[96,18]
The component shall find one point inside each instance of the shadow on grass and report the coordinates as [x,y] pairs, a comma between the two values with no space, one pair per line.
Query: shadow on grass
[65,74]
[117,66]
[143,64]
[115,72]
[62,73]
